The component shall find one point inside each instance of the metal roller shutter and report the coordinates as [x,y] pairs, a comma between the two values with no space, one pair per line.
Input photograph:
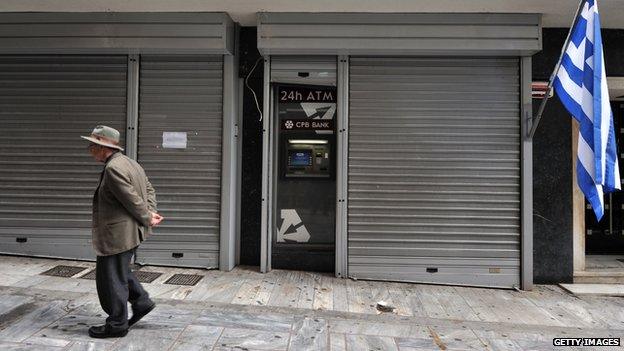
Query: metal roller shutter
[313,70]
[47,177]
[182,94]
[434,170]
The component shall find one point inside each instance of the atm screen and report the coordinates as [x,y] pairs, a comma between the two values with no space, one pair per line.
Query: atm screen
[299,158]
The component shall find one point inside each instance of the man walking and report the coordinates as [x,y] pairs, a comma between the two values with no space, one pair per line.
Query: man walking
[124,210]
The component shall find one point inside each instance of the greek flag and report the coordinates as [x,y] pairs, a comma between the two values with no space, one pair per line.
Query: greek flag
[581,85]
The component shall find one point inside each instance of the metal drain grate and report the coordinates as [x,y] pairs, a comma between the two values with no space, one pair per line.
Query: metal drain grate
[143,277]
[147,277]
[89,275]
[184,279]
[64,271]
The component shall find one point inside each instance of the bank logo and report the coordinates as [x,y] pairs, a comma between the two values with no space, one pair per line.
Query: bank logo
[319,110]
[288,124]
[292,223]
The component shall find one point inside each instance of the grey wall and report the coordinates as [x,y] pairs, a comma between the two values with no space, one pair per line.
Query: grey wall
[552,196]
[552,176]
[552,162]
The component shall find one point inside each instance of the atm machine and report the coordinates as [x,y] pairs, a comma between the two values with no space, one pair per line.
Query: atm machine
[305,179]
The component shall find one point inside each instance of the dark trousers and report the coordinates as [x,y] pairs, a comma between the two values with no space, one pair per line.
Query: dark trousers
[116,286]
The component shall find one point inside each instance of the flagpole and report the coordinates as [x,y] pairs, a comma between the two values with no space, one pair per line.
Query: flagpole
[540,111]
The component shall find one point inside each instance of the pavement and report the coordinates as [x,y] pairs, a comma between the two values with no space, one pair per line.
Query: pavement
[39,312]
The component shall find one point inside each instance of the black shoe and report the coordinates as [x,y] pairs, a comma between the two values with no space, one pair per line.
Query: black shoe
[104,331]
[137,315]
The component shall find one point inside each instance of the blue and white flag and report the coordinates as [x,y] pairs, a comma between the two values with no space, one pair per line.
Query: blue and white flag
[581,85]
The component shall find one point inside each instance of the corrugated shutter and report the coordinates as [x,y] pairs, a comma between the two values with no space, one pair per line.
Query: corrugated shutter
[116,32]
[434,170]
[47,176]
[358,33]
[182,94]
[314,70]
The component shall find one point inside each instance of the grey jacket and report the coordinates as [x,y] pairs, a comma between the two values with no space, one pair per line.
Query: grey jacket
[121,206]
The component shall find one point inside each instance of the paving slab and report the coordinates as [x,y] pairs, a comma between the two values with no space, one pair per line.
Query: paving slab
[338,342]
[151,344]
[310,334]
[595,289]
[370,342]
[417,344]
[10,302]
[198,337]
[170,315]
[145,330]
[38,340]
[265,321]
[80,345]
[456,338]
[32,321]
[397,329]
[71,327]
[253,339]
[7,346]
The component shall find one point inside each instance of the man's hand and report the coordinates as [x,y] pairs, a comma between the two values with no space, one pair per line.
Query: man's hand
[156,219]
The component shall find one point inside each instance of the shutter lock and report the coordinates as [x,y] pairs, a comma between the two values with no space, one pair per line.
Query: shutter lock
[177,255]
[432,270]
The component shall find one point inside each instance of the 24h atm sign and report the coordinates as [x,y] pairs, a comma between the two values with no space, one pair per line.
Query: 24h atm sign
[307,107]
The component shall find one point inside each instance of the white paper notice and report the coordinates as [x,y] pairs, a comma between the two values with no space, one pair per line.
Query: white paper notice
[174,140]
